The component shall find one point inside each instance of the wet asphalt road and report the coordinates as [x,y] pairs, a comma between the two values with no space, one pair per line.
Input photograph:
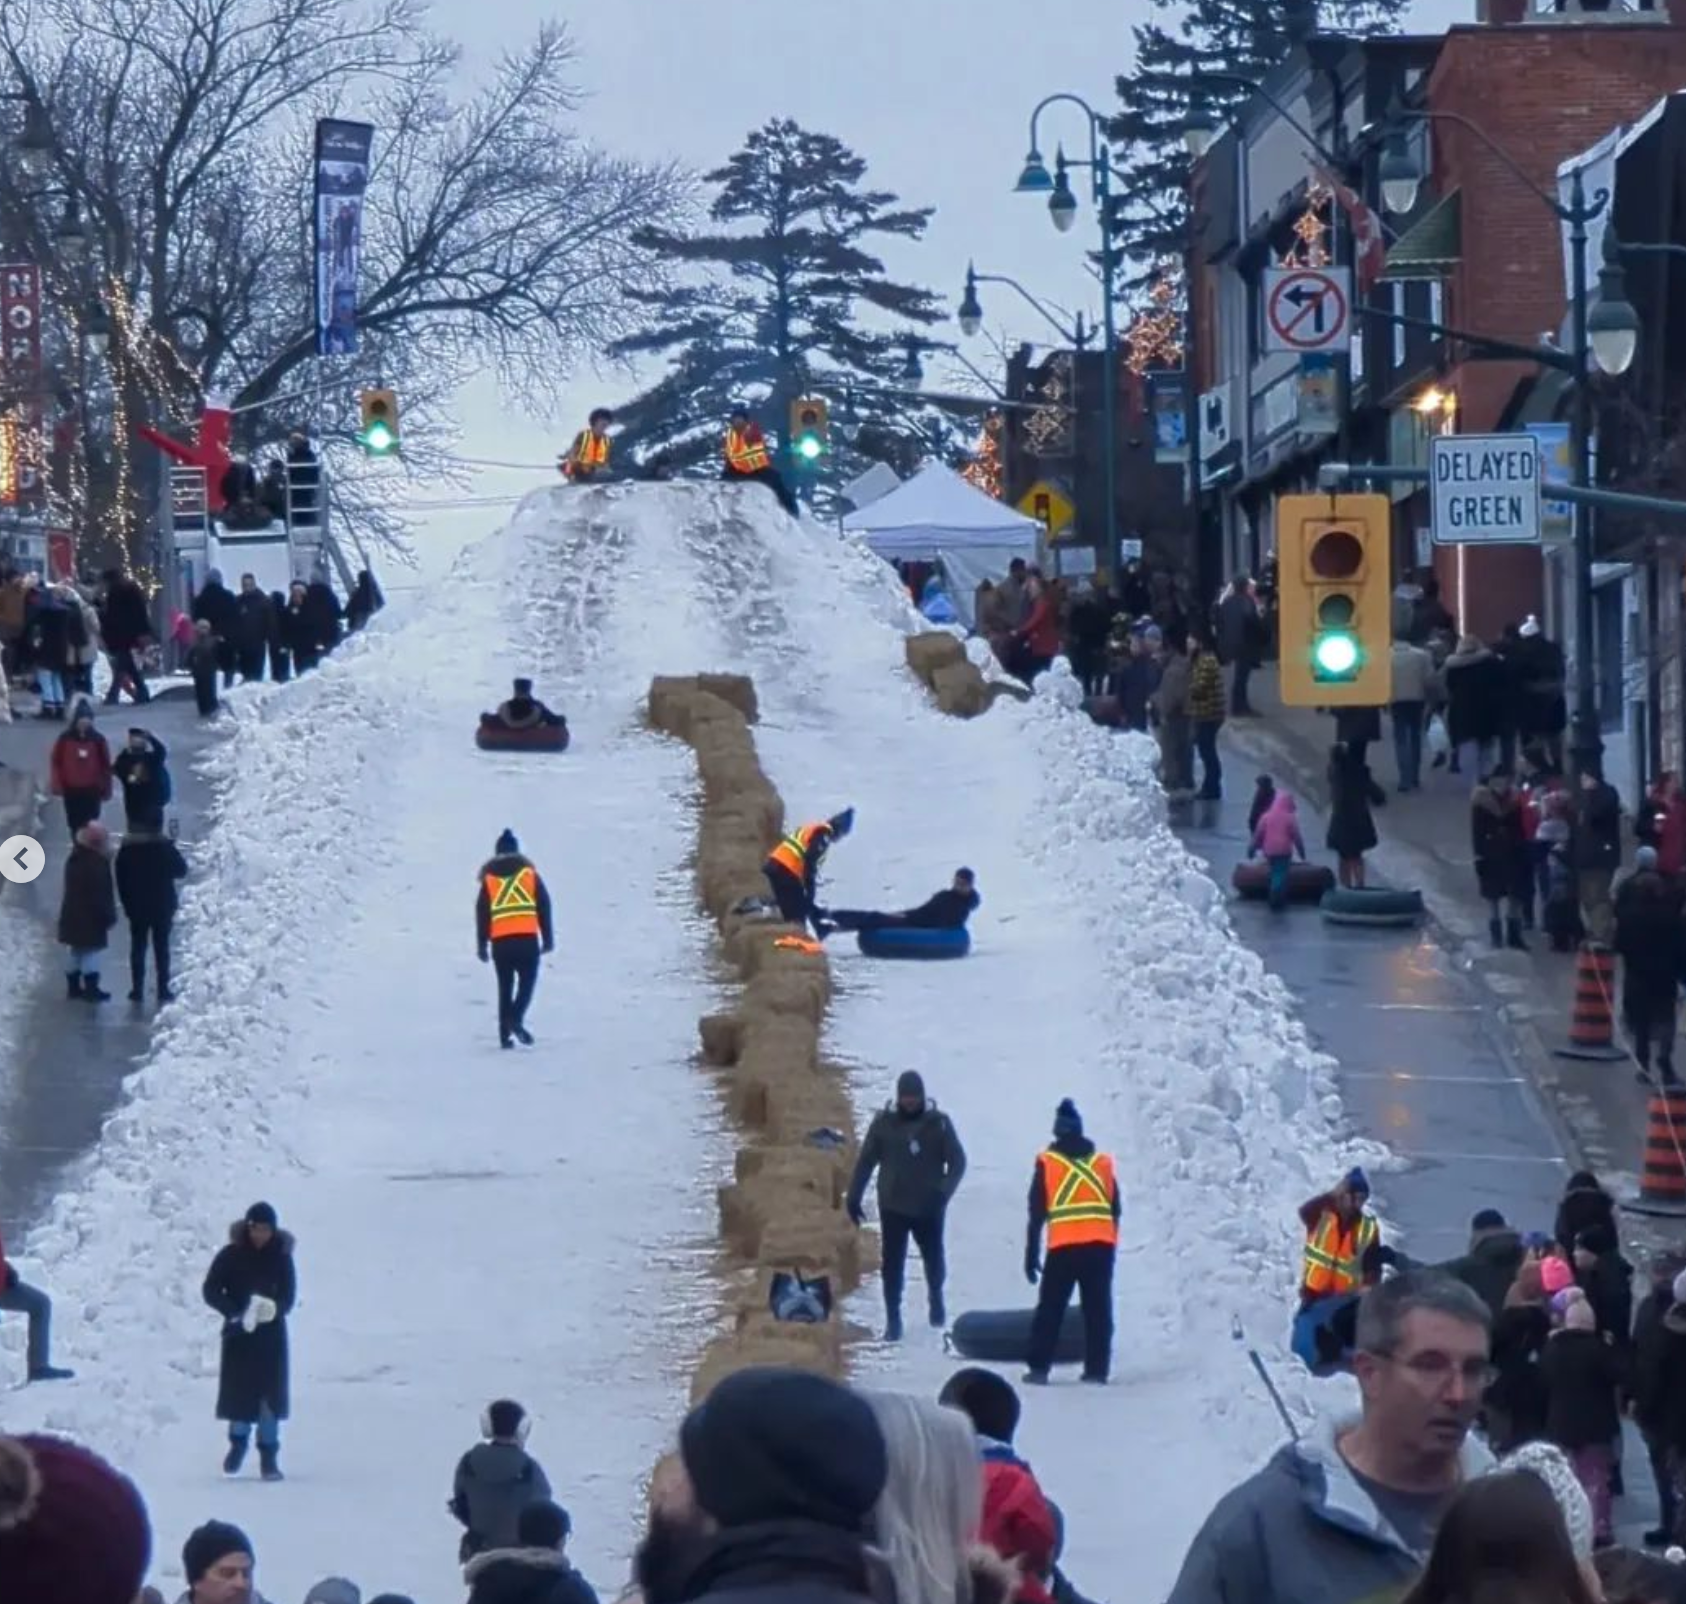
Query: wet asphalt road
[63,1075]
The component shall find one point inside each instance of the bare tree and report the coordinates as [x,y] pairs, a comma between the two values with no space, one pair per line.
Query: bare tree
[493,236]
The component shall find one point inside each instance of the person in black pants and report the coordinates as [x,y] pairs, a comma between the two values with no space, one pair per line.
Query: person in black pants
[913,1146]
[1074,1193]
[946,910]
[512,923]
[148,866]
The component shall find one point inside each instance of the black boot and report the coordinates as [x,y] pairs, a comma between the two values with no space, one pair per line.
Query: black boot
[235,1457]
[1497,931]
[73,985]
[1513,936]
[269,1464]
[91,989]
[893,1325]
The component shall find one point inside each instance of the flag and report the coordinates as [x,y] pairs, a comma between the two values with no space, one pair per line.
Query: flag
[1369,249]
[342,177]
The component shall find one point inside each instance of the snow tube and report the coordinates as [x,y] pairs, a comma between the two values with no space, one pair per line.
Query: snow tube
[1372,905]
[1002,1336]
[901,941]
[496,737]
[1307,882]
[1324,1332]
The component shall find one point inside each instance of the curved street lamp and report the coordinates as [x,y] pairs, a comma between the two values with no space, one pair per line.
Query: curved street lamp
[1062,204]
[971,309]
[69,235]
[1612,326]
[1034,179]
[96,327]
[34,146]
[1199,129]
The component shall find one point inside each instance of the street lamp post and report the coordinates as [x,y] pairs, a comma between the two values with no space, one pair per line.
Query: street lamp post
[1062,207]
[1605,335]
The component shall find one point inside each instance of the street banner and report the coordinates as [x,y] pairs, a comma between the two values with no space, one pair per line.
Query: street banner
[1319,409]
[342,178]
[21,411]
[1556,517]
[1170,416]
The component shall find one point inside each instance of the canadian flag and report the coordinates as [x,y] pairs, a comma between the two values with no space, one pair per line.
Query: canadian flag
[1369,249]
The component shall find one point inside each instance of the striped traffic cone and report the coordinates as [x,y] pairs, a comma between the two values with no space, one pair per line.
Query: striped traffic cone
[1592,1025]
[1662,1170]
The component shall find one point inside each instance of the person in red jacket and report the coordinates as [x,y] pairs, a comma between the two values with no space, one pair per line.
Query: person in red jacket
[80,770]
[1037,643]
[18,1297]
[1662,824]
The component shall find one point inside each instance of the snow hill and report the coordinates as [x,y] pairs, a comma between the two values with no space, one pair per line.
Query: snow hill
[472,1222]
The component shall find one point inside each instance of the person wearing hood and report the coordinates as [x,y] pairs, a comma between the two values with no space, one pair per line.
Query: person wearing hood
[1603,1273]
[252,1284]
[1583,1374]
[215,605]
[1503,870]
[948,909]
[778,1474]
[1074,1195]
[219,1562]
[916,1152]
[535,1568]
[364,601]
[57,637]
[496,1480]
[512,926]
[1651,942]
[1584,1204]
[1649,1384]
[142,769]
[1276,834]
[73,1530]
[87,911]
[1495,1256]
[793,866]
[1538,672]
[1480,711]
[79,769]
[125,629]
[1350,1511]
[149,867]
[1598,853]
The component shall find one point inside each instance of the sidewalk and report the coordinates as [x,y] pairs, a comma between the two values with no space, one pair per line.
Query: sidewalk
[1425,835]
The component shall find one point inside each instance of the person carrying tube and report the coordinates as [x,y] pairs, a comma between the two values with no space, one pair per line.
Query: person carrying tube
[792,869]
[588,457]
[512,923]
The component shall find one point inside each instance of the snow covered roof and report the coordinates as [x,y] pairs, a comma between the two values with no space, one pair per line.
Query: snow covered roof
[936,511]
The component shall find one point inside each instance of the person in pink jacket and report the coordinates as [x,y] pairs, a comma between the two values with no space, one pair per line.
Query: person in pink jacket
[1277,836]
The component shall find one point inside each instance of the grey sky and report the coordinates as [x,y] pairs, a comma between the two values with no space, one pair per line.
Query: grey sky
[934,94]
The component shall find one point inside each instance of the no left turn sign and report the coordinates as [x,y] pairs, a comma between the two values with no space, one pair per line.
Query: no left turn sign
[1307,308]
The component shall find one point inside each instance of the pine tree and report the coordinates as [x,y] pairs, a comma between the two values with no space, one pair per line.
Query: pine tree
[773,312]
[1244,38]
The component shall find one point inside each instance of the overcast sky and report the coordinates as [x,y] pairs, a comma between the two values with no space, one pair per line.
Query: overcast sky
[934,94]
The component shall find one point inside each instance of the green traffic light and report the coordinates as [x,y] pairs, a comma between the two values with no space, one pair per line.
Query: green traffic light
[809,447]
[1335,656]
[378,439]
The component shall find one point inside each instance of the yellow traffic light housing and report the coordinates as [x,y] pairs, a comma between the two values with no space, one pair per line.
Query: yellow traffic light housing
[1335,600]
[378,435]
[810,428]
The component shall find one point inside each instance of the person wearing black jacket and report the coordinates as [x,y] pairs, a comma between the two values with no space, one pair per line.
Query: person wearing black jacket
[948,909]
[322,609]
[280,644]
[1598,854]
[914,1148]
[1495,1255]
[141,768]
[148,866]
[215,606]
[1607,1279]
[364,601]
[1584,1203]
[1583,1374]
[512,925]
[125,628]
[1652,945]
[252,628]
[1650,1385]
[536,1570]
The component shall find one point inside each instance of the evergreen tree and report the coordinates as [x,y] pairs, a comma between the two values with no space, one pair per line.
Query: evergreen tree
[1245,38]
[773,312]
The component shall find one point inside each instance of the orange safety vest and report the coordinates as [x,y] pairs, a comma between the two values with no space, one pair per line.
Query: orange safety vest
[589,451]
[792,852]
[1078,1193]
[744,454]
[515,903]
[1334,1254]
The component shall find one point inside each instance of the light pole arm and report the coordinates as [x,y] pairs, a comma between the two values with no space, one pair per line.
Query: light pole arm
[1567,214]
[1236,81]
[1096,121]
[1078,337]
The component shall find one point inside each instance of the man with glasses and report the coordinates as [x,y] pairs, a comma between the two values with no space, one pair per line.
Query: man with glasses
[1350,1513]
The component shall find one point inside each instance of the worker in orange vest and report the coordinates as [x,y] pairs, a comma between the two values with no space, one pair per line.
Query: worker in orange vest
[747,457]
[1074,1193]
[512,921]
[1344,1254]
[792,869]
[588,456]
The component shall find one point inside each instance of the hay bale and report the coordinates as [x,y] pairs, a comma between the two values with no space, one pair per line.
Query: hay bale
[929,652]
[669,706]
[778,1042]
[737,690]
[722,1035]
[959,689]
[726,1356]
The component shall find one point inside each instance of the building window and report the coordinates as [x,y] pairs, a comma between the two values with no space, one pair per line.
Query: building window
[1436,302]
[1396,305]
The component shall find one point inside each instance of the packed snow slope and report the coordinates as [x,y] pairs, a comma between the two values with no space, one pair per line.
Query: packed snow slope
[472,1222]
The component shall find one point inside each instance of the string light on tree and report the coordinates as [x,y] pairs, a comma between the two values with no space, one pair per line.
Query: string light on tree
[983,472]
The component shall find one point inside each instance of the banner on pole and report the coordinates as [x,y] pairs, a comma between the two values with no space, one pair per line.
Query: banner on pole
[342,178]
[21,412]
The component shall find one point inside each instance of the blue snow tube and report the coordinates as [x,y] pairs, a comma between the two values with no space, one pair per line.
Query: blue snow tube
[903,941]
[1323,1334]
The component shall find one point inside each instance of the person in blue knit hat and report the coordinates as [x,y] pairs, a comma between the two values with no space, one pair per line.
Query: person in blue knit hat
[1343,1255]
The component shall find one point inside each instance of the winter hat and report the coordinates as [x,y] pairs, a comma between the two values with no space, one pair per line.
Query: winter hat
[773,1444]
[542,1525]
[504,1418]
[986,1399]
[1645,858]
[209,1544]
[1555,1274]
[842,823]
[1547,1461]
[1357,1181]
[507,842]
[263,1214]
[910,1083]
[523,687]
[392,1598]
[1488,1220]
[1067,1121]
[1530,627]
[334,1590]
[72,1530]
[1578,1315]
[95,835]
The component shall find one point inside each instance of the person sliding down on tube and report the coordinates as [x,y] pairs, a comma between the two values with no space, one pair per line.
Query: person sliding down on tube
[523,711]
[947,910]
[794,864]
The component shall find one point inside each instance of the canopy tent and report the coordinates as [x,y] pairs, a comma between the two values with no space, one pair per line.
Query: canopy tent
[937,517]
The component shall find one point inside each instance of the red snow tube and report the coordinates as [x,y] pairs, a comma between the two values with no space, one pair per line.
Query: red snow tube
[1002,1336]
[1306,881]
[495,737]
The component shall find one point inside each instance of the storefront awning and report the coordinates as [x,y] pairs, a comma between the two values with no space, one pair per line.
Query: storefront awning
[1432,246]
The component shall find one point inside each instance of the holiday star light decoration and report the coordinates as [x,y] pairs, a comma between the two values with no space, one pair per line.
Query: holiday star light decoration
[983,472]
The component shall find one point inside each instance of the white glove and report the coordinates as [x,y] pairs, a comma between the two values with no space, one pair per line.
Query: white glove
[260,1311]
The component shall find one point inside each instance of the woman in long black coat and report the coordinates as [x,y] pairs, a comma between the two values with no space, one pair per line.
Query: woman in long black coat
[1352,793]
[251,1284]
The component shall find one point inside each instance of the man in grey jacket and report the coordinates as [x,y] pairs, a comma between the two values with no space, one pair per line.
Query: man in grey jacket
[496,1480]
[1349,1516]
[919,1159]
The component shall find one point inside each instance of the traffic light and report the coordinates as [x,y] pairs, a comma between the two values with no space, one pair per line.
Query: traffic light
[379,434]
[810,428]
[1335,600]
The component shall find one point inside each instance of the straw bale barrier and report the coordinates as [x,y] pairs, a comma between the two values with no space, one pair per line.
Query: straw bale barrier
[955,682]
[783,1208]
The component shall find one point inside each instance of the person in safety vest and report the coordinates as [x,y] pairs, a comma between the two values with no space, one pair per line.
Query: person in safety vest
[1074,1193]
[747,457]
[512,922]
[588,456]
[1343,1243]
[792,868]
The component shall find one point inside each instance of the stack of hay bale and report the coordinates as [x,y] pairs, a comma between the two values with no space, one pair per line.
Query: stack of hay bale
[953,679]
[784,1209]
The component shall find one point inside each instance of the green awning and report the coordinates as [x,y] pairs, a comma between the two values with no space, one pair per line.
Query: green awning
[1432,246]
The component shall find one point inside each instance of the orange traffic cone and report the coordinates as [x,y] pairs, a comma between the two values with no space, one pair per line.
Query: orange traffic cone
[1592,1025]
[1662,1171]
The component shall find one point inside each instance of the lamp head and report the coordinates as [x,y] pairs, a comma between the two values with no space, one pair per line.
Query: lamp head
[1199,130]
[1612,325]
[1400,173]
[1062,204]
[1035,178]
